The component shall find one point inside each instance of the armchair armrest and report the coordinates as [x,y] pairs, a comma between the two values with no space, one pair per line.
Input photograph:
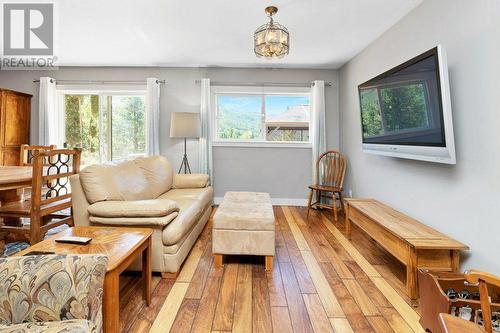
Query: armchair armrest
[25,278]
[194,180]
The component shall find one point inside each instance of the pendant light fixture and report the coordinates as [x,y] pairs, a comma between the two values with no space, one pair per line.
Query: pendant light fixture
[271,40]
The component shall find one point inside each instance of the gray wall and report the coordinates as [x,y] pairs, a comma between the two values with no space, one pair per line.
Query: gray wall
[462,200]
[283,172]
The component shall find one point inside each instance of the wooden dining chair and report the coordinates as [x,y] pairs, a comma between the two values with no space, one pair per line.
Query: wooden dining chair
[484,281]
[26,158]
[454,324]
[51,169]
[330,172]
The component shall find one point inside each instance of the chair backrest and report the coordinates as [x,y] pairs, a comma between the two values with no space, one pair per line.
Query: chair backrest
[51,171]
[483,280]
[26,157]
[330,169]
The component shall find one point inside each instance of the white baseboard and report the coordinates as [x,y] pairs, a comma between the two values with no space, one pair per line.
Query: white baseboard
[276,201]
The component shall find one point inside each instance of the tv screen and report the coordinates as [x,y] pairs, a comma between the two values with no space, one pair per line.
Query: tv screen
[403,106]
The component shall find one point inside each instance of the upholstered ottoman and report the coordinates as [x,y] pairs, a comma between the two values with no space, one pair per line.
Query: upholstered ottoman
[244,224]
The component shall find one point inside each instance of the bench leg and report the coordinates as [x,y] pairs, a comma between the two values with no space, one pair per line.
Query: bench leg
[411,276]
[218,260]
[309,203]
[269,263]
[347,222]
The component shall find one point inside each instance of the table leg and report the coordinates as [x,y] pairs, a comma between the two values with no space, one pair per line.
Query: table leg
[111,303]
[411,276]
[8,196]
[147,272]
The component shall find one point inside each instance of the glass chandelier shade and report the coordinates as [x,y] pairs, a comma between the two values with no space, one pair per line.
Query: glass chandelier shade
[271,40]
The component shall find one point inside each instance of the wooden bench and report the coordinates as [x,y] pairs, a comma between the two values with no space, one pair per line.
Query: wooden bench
[411,242]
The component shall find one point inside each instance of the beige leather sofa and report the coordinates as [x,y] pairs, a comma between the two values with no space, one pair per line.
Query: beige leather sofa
[146,192]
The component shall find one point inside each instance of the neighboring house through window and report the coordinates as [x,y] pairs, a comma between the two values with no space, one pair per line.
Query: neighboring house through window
[261,115]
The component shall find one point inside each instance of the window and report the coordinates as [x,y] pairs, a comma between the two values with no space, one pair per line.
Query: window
[287,118]
[108,127]
[246,115]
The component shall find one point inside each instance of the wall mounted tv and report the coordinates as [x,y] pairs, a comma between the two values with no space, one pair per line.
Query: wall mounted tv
[406,111]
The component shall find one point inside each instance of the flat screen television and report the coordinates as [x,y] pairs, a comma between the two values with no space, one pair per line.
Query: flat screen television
[406,111]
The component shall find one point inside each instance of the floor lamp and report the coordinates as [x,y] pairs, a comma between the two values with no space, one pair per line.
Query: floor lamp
[185,125]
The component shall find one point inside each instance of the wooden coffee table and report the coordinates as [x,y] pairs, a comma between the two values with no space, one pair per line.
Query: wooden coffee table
[121,245]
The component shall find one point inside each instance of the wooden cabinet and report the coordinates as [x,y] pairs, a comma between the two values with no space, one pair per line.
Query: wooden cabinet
[15,109]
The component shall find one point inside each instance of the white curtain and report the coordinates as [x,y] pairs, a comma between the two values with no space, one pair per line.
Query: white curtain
[318,123]
[206,135]
[51,128]
[153,116]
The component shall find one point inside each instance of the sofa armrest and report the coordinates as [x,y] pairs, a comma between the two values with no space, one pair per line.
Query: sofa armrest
[79,201]
[30,276]
[194,180]
[71,325]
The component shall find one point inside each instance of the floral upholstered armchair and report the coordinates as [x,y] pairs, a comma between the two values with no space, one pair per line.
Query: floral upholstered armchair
[51,293]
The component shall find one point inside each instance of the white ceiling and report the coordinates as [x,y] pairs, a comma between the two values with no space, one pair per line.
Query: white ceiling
[324,33]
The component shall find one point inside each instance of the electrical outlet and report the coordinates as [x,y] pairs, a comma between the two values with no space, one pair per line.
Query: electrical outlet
[350,193]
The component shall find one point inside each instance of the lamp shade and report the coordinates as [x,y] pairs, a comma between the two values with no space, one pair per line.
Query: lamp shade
[185,125]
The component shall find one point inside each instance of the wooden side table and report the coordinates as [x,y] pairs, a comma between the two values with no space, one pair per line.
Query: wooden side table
[122,246]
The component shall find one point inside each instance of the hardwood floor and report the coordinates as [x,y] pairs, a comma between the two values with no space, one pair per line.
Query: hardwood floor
[320,282]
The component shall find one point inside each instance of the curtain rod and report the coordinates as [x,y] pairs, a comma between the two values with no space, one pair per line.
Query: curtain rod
[99,82]
[265,84]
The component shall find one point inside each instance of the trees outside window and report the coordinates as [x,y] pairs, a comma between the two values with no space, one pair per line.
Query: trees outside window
[106,127]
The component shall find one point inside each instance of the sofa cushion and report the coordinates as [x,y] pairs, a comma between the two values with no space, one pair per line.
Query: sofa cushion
[138,208]
[158,172]
[122,181]
[195,180]
[160,221]
[140,179]
[204,195]
[189,213]
[98,183]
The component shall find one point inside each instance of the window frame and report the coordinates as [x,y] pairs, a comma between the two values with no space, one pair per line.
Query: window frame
[103,91]
[255,91]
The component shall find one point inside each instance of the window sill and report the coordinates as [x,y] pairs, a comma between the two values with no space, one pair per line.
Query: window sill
[261,144]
